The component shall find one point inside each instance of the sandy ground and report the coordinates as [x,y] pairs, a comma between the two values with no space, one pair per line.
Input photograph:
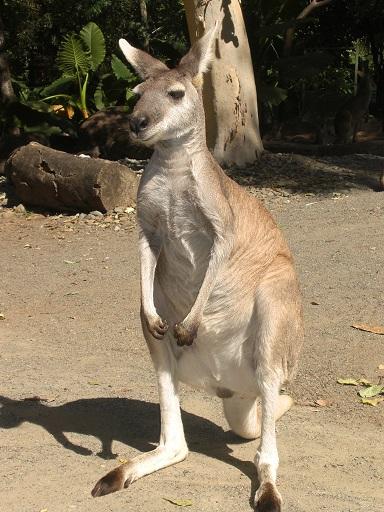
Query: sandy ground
[69,293]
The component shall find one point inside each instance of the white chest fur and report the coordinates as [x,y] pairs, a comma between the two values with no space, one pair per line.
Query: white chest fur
[167,204]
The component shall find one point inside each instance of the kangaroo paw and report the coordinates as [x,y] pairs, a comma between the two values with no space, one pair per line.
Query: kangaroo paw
[183,335]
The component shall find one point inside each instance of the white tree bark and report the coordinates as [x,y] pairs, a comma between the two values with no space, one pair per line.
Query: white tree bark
[6,90]
[229,88]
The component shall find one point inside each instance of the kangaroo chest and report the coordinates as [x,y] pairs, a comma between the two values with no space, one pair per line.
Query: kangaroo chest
[168,204]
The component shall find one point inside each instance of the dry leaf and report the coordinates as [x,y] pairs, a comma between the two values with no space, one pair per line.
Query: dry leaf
[93,383]
[365,382]
[123,461]
[348,382]
[372,401]
[321,402]
[371,391]
[376,329]
[69,262]
[314,303]
[179,503]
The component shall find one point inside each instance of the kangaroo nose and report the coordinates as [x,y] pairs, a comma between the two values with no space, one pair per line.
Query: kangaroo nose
[138,124]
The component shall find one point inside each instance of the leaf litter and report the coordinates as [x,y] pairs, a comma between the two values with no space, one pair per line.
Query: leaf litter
[370,394]
[371,391]
[179,502]
[348,382]
[375,329]
[372,401]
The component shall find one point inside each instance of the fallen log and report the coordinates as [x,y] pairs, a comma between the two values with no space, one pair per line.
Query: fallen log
[56,180]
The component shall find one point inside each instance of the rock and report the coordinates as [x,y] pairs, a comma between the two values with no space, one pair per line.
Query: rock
[20,208]
[96,213]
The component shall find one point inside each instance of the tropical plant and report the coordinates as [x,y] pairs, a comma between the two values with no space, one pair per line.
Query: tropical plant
[78,57]
[86,83]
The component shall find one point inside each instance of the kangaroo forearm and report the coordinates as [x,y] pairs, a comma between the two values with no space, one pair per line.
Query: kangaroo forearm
[148,260]
[186,331]
[219,255]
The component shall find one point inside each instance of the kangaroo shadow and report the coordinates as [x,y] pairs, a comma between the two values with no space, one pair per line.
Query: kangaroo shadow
[132,422]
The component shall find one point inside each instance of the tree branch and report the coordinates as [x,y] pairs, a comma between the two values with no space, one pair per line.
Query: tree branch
[313,4]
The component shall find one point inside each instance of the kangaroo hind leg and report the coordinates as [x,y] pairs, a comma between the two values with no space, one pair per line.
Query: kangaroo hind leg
[279,338]
[244,414]
[172,447]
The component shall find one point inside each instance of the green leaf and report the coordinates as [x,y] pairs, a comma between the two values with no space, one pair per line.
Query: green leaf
[83,97]
[371,391]
[94,41]
[44,129]
[348,382]
[39,106]
[59,85]
[129,94]
[98,96]
[71,57]
[179,503]
[120,70]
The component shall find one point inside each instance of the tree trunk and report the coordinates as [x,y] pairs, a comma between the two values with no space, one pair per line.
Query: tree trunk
[7,94]
[229,88]
[6,90]
[53,179]
[377,48]
[144,20]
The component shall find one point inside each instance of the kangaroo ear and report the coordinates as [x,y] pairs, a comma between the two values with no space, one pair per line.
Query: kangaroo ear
[200,56]
[144,65]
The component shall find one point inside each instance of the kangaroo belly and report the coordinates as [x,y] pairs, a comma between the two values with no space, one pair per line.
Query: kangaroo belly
[221,367]
[221,359]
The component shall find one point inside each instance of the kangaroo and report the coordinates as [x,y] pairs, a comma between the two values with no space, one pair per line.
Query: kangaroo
[220,302]
[349,118]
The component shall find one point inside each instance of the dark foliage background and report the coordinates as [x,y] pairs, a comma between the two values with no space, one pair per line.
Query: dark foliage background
[35,28]
[308,82]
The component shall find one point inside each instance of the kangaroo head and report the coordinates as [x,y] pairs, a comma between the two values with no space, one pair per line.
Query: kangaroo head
[169,104]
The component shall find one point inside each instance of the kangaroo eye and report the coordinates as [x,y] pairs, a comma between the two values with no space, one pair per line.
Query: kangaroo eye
[177,94]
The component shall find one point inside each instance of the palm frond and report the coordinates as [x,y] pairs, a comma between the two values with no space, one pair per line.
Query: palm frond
[71,57]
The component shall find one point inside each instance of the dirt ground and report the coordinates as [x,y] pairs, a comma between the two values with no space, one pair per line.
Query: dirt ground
[70,334]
